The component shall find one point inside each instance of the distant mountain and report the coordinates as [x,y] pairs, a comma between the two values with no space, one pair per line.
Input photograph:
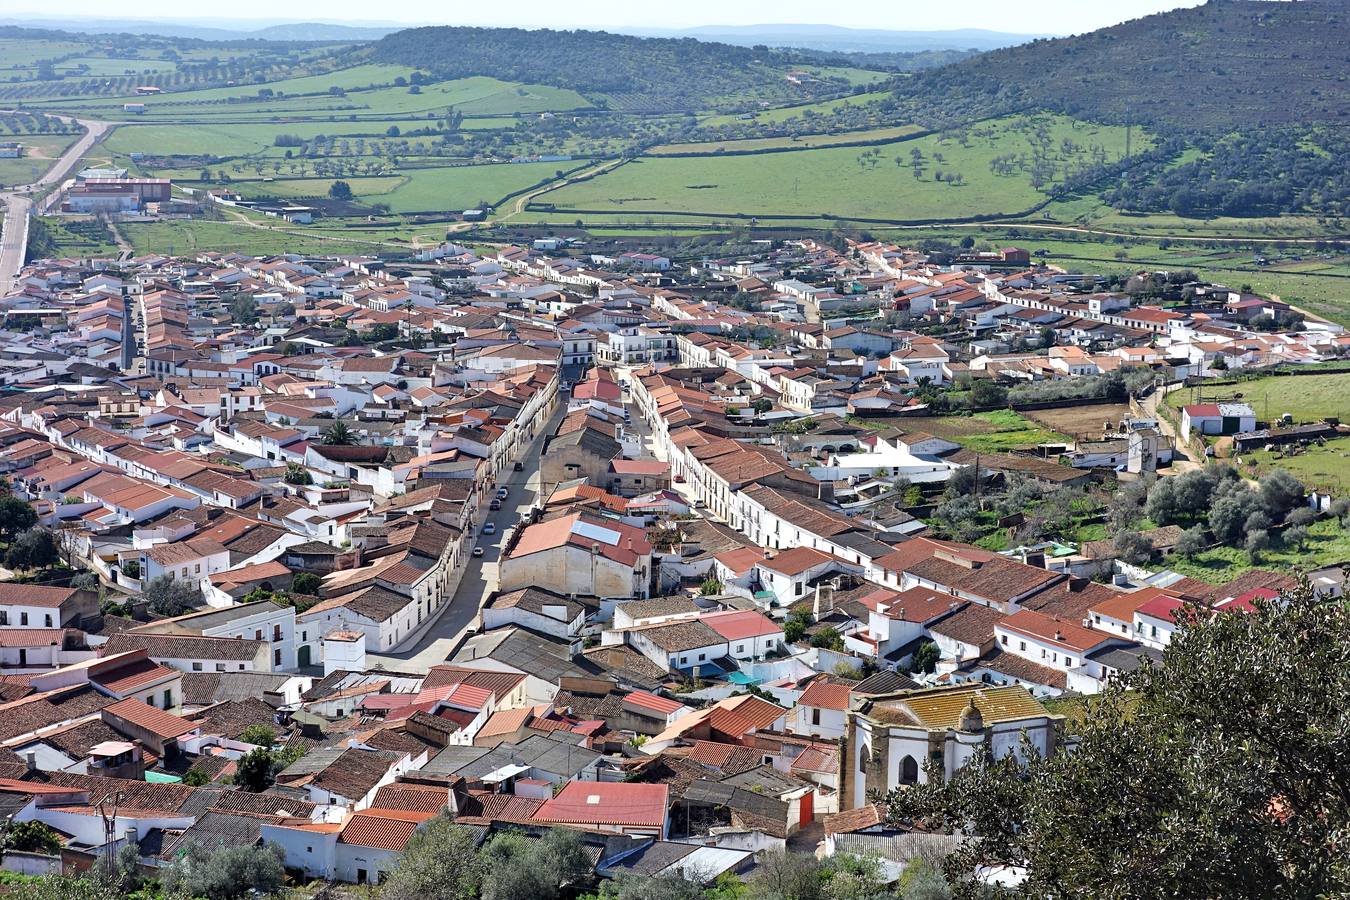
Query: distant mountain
[318,32]
[836,39]
[1229,64]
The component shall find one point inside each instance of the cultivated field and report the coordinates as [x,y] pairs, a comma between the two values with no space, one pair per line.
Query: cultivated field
[1084,421]
[988,432]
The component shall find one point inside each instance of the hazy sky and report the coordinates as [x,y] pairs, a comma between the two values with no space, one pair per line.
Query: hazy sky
[1022,16]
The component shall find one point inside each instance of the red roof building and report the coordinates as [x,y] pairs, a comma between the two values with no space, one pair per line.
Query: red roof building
[616,807]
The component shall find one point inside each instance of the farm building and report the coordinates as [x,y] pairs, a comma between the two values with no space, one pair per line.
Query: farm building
[1217,418]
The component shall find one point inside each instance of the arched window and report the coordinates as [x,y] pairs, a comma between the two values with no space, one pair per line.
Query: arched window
[909,770]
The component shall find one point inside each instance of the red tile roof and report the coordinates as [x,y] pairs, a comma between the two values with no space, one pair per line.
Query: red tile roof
[737,625]
[1048,628]
[382,829]
[824,695]
[607,803]
[156,721]
[643,700]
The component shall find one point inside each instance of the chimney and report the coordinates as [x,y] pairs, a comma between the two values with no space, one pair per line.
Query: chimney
[824,602]
[30,758]
[1058,636]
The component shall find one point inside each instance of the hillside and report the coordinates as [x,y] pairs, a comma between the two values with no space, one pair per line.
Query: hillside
[836,39]
[1225,65]
[667,73]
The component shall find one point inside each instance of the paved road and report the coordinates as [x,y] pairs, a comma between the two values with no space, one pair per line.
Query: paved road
[18,204]
[480,575]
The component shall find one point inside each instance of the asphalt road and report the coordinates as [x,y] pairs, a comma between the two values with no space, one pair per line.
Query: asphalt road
[19,205]
[479,579]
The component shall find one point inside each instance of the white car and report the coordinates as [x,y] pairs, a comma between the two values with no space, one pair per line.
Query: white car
[477,551]
[490,528]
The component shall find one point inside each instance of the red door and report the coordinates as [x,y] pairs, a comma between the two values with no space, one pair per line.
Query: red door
[808,807]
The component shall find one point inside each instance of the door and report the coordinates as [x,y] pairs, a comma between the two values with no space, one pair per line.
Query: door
[303,657]
[808,808]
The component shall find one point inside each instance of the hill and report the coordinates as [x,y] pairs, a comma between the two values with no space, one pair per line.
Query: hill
[311,32]
[668,73]
[836,39]
[1225,65]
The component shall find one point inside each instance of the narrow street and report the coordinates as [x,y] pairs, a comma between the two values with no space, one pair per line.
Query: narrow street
[479,579]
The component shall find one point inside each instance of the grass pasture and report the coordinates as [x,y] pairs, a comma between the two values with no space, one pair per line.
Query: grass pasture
[987,432]
[875,183]
[1308,398]
[1328,544]
[1325,468]
[797,142]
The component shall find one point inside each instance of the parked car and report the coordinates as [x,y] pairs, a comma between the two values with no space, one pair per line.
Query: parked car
[495,505]
[502,493]
[490,528]
[477,551]
[519,466]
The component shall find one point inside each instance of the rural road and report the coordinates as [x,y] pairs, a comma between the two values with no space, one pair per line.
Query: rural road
[19,205]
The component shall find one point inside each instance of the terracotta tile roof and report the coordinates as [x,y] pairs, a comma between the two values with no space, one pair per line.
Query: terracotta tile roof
[382,829]
[652,702]
[412,797]
[852,820]
[814,759]
[823,694]
[156,721]
[737,625]
[607,803]
[135,674]
[1051,630]
[34,595]
[796,561]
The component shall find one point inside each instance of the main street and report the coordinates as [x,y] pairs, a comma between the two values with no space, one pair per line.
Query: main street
[18,205]
[479,579]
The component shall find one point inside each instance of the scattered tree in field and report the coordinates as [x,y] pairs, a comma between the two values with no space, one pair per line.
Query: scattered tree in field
[340,190]
[1192,542]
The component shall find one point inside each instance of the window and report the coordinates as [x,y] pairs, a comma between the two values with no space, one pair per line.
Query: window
[1068,661]
[257,634]
[815,715]
[196,667]
[740,648]
[4,617]
[198,568]
[1005,640]
[909,770]
[23,618]
[48,618]
[276,658]
[1023,645]
[168,699]
[220,667]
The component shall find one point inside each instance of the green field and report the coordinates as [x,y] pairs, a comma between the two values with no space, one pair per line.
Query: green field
[39,152]
[782,114]
[471,96]
[843,182]
[1325,468]
[185,237]
[1328,544]
[1308,398]
[797,142]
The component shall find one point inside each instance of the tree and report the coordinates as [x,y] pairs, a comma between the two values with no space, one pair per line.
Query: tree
[1256,541]
[828,638]
[710,587]
[244,310]
[440,863]
[794,628]
[15,516]
[32,837]
[519,868]
[925,658]
[340,190]
[306,583]
[34,549]
[1301,516]
[195,777]
[259,735]
[1296,535]
[297,474]
[985,393]
[339,434]
[226,872]
[1281,492]
[256,771]
[167,596]
[1257,798]
[1192,542]
[787,876]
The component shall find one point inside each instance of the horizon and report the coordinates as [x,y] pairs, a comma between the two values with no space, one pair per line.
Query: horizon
[1031,18]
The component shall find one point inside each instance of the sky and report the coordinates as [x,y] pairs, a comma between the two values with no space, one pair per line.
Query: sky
[1018,16]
